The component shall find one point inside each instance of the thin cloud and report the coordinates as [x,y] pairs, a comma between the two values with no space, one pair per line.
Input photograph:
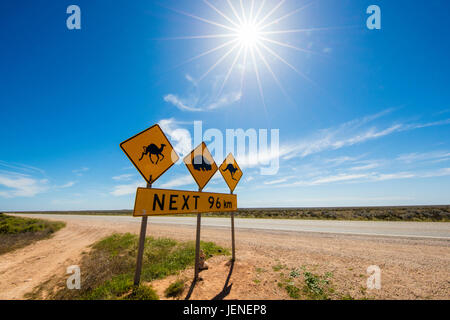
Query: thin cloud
[367,177]
[21,167]
[276,181]
[349,134]
[126,189]
[22,186]
[425,156]
[207,97]
[333,140]
[123,177]
[66,185]
[222,101]
[367,166]
[81,171]
[179,103]
[225,100]
[179,181]
[426,125]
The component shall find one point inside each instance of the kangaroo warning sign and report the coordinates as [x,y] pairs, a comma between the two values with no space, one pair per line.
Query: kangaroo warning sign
[150,152]
[201,165]
[154,202]
[230,172]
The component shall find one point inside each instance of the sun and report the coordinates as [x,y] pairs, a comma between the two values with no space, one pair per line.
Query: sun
[250,38]
[248,34]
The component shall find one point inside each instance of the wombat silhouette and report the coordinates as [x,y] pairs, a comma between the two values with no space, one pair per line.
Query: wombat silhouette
[231,169]
[153,149]
[201,164]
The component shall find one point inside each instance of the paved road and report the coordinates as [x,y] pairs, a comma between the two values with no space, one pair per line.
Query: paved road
[432,230]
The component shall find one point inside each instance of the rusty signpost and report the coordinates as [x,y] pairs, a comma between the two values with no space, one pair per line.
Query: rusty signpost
[152,154]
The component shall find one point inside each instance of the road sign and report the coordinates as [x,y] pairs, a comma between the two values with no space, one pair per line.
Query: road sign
[201,165]
[150,152]
[230,172]
[154,202]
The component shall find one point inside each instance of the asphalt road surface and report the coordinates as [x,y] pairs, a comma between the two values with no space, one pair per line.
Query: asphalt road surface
[431,230]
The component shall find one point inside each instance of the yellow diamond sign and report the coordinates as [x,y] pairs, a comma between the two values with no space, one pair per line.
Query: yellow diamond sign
[230,172]
[150,152]
[201,165]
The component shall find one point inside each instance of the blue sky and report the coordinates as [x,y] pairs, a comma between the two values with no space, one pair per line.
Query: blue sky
[363,115]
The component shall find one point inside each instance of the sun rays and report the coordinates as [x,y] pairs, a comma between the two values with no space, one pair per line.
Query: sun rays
[249,40]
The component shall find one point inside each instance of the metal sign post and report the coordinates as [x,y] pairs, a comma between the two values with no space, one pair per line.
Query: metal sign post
[197,245]
[232,173]
[140,255]
[233,256]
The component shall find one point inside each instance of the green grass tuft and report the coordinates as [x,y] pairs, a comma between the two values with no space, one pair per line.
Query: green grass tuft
[293,291]
[314,287]
[175,289]
[18,232]
[107,271]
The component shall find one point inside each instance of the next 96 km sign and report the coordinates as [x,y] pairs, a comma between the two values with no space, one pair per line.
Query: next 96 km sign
[155,202]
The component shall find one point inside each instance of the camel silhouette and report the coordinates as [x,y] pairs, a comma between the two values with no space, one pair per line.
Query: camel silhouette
[153,149]
[231,169]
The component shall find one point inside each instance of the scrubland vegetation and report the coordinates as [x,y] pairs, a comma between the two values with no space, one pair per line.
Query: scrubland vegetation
[430,213]
[407,213]
[17,232]
[107,270]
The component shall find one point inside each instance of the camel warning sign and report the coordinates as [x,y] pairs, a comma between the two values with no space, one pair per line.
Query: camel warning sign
[150,152]
[154,202]
[201,165]
[230,172]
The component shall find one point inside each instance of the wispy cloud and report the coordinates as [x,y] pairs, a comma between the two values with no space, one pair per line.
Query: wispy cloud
[424,156]
[123,177]
[425,125]
[206,98]
[276,181]
[180,103]
[367,177]
[334,178]
[66,185]
[367,166]
[335,139]
[224,100]
[126,189]
[20,180]
[21,186]
[179,181]
[81,171]
[348,134]
[21,168]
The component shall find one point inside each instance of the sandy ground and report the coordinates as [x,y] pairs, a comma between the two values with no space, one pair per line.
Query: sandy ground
[411,268]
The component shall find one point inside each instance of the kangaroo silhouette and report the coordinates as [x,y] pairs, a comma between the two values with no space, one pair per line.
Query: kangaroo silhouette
[231,169]
[153,149]
[201,164]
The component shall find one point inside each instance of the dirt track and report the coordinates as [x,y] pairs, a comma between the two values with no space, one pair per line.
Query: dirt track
[411,269]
